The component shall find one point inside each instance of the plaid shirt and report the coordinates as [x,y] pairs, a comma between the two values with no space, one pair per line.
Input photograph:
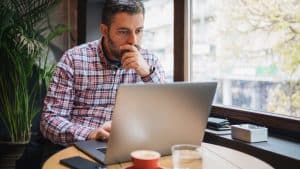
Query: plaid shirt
[82,93]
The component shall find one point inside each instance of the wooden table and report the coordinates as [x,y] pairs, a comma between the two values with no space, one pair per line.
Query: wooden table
[214,156]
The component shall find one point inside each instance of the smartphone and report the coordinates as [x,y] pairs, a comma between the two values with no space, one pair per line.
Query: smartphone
[78,162]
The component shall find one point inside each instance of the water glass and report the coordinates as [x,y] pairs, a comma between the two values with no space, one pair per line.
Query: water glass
[186,156]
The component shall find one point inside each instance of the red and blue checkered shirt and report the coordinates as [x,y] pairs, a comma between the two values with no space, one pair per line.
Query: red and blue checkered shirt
[82,92]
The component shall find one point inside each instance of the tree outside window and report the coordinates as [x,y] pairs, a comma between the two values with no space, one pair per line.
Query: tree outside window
[253,48]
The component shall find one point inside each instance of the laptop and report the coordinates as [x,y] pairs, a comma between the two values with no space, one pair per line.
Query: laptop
[154,117]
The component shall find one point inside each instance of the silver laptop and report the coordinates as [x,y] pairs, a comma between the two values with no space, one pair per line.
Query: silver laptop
[154,117]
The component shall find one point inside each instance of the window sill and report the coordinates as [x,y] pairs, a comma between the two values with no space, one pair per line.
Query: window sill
[278,152]
[287,126]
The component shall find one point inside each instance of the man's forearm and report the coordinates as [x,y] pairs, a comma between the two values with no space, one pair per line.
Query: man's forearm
[61,131]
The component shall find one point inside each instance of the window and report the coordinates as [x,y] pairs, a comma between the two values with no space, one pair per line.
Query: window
[252,48]
[158,32]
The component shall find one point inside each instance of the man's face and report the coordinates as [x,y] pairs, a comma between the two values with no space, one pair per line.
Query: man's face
[124,29]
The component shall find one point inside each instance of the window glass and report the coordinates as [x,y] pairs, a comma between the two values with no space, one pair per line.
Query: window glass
[252,48]
[158,32]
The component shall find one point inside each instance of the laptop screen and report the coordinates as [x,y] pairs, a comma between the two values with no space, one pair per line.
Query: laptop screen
[157,116]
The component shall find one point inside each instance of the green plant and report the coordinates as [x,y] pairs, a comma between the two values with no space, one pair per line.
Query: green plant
[25,33]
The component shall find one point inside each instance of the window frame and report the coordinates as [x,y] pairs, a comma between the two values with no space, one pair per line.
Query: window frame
[181,49]
[179,44]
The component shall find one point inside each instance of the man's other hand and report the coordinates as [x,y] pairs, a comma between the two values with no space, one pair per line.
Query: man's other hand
[101,133]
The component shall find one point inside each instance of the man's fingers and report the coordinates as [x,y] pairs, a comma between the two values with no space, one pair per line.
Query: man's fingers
[128,55]
[107,126]
[132,48]
[102,134]
[130,64]
[105,135]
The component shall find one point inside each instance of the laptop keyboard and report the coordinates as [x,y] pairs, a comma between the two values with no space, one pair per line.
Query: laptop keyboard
[102,150]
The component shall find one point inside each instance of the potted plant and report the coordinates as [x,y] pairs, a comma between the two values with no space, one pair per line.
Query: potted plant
[25,33]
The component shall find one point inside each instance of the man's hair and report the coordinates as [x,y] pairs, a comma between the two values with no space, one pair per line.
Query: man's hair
[112,7]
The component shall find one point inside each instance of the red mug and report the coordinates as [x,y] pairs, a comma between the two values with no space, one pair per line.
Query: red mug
[145,159]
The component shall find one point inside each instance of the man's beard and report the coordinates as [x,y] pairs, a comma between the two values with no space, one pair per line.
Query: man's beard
[113,49]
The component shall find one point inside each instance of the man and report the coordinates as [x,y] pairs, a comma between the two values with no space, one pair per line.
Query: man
[82,93]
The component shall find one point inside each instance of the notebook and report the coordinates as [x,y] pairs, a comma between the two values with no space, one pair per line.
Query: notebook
[154,117]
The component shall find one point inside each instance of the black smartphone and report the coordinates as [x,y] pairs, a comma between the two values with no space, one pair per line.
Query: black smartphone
[78,162]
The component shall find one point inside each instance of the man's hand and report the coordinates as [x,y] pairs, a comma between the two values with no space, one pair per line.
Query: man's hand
[132,59]
[101,133]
